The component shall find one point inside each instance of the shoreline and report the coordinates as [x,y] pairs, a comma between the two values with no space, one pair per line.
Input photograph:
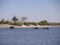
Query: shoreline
[23,26]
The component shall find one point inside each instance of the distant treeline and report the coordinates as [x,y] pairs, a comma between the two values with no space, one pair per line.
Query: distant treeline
[15,21]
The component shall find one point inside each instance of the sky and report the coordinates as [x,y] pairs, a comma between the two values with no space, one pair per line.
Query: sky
[34,10]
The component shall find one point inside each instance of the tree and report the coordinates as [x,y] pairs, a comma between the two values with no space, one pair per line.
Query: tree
[23,19]
[44,22]
[14,19]
[2,21]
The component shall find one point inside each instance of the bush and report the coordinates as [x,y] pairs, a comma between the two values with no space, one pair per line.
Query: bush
[11,23]
[34,23]
[27,24]
[16,23]
[6,22]
[1,22]
[43,23]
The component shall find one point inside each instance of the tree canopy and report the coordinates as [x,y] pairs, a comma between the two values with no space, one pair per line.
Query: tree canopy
[23,19]
[44,22]
[14,19]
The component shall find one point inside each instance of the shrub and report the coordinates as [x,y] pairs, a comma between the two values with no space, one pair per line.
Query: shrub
[11,23]
[34,23]
[43,23]
[6,22]
[16,23]
[27,24]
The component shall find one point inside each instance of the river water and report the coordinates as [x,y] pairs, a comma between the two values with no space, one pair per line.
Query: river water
[30,36]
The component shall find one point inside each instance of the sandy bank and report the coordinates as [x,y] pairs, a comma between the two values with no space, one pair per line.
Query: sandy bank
[23,26]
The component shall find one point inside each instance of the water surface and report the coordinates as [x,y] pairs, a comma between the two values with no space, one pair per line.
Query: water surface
[29,36]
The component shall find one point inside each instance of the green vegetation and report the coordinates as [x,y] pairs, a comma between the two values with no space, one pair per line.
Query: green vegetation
[6,22]
[2,21]
[14,19]
[34,23]
[26,23]
[16,23]
[44,22]
[23,21]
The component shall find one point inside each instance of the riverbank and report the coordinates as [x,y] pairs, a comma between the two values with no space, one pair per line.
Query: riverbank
[23,26]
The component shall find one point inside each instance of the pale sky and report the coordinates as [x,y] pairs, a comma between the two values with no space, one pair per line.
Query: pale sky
[34,10]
